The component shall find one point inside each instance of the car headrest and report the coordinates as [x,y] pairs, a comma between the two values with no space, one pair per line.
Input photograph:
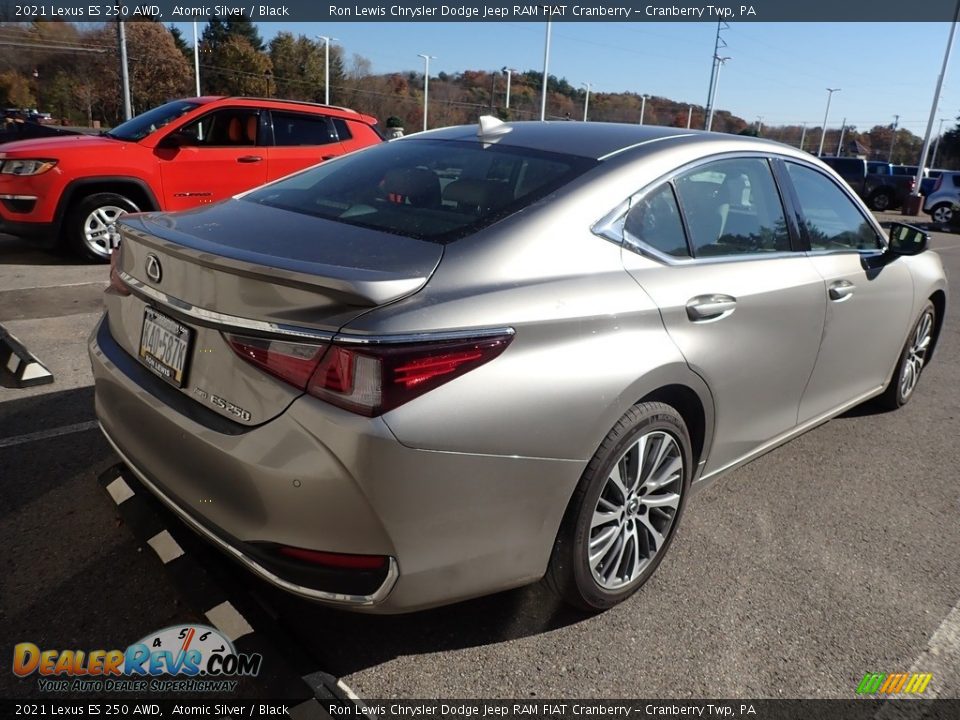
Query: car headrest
[234,130]
[417,186]
[477,195]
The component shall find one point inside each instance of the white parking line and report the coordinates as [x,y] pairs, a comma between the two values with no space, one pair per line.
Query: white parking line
[119,490]
[229,621]
[47,434]
[165,547]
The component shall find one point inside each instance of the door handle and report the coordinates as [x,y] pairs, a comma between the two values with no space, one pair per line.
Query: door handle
[841,290]
[710,307]
[327,157]
[249,159]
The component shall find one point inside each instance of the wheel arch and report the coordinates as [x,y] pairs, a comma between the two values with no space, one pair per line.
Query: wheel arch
[689,404]
[134,188]
[939,300]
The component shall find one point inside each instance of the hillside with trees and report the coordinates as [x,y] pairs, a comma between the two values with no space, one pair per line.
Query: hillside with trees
[73,72]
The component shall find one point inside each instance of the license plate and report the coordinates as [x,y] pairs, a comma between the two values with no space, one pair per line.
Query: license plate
[164,346]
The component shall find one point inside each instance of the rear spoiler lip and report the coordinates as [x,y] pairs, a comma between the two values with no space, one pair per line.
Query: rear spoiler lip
[355,286]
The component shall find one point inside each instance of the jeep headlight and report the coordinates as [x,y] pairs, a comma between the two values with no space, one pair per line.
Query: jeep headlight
[26,167]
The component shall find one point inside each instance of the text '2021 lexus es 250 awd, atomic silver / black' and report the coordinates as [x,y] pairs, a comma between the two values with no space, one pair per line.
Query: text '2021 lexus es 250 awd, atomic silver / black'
[477,357]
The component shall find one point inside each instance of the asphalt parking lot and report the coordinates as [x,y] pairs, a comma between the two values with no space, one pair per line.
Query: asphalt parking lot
[832,556]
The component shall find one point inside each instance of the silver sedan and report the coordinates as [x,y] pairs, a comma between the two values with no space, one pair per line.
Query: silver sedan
[483,356]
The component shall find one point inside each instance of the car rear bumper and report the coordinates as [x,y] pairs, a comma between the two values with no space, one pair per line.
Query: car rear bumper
[453,525]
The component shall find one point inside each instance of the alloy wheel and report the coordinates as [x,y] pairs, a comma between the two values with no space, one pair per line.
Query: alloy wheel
[99,229]
[636,509]
[916,355]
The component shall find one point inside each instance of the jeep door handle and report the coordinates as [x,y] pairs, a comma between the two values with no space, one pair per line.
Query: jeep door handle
[249,159]
[324,158]
[841,290]
[710,307]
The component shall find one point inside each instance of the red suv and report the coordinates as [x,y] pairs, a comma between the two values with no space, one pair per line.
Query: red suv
[177,156]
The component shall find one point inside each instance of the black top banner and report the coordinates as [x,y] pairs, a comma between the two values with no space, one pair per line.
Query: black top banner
[636,11]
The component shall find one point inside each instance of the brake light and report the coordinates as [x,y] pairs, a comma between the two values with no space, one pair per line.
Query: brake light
[371,379]
[292,362]
[117,285]
[375,379]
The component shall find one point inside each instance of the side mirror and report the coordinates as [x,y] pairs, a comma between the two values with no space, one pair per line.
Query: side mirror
[907,240]
[178,139]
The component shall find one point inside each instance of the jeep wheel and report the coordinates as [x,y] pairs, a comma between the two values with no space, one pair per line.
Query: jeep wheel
[90,230]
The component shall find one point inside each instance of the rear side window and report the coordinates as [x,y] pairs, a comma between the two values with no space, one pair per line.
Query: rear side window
[428,189]
[343,128]
[956,180]
[655,221]
[296,129]
[733,207]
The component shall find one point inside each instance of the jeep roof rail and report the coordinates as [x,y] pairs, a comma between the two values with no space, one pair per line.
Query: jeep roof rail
[293,102]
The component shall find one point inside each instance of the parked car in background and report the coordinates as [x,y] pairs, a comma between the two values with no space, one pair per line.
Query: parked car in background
[883,190]
[180,155]
[941,203]
[463,360]
[19,129]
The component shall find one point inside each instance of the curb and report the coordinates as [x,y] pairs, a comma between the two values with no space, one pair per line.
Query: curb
[20,363]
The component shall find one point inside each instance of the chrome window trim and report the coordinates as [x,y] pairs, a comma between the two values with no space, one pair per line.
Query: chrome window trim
[393,572]
[233,322]
[607,226]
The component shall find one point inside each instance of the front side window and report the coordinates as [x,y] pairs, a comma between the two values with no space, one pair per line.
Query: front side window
[830,218]
[233,127]
[732,207]
[654,220]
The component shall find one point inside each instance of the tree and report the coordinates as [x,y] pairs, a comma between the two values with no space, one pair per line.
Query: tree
[15,90]
[298,67]
[181,44]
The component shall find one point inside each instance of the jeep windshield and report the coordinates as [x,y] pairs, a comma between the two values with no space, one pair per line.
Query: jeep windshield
[142,125]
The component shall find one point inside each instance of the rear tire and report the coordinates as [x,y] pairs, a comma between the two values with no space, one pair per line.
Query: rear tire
[881,201]
[89,228]
[624,512]
[913,358]
[942,213]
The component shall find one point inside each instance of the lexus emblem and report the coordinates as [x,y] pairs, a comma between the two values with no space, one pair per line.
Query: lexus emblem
[153,268]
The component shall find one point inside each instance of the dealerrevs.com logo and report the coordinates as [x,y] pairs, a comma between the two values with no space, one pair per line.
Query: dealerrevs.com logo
[199,659]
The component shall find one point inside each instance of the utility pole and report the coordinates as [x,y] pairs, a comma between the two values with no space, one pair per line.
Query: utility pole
[326,67]
[426,85]
[718,44]
[546,65]
[196,59]
[586,102]
[759,125]
[721,61]
[643,106]
[689,116]
[936,145]
[893,137]
[803,135]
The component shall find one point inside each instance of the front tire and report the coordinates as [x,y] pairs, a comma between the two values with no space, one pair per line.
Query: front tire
[89,230]
[624,512]
[913,358]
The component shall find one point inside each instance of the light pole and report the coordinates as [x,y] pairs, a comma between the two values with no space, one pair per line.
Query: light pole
[689,116]
[759,125]
[716,81]
[586,102]
[823,134]
[546,64]
[509,72]
[803,135]
[893,137]
[196,59]
[124,71]
[843,130]
[267,75]
[643,106]
[426,84]
[936,145]
[326,67]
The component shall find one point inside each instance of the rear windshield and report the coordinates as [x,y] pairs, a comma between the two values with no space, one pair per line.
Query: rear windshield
[427,189]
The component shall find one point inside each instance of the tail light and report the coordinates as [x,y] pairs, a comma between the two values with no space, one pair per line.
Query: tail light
[371,379]
[334,560]
[117,285]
